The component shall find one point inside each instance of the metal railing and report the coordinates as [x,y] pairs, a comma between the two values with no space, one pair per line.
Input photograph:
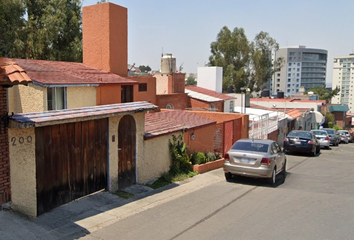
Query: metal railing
[262,125]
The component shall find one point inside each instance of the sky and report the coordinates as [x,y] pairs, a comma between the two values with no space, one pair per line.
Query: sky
[187,28]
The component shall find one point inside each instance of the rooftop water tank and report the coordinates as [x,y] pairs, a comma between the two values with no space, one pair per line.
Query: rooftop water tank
[265,93]
[280,94]
[168,63]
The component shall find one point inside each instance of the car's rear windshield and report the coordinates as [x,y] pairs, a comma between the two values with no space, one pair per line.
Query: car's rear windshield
[330,131]
[250,146]
[300,134]
[321,133]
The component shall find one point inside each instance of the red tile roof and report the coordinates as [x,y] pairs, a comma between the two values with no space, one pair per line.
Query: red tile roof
[284,100]
[12,74]
[160,123]
[68,73]
[294,113]
[209,92]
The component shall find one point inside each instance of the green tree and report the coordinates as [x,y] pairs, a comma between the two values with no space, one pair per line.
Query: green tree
[329,120]
[232,51]
[191,81]
[54,30]
[325,94]
[263,66]
[245,64]
[12,23]
[144,68]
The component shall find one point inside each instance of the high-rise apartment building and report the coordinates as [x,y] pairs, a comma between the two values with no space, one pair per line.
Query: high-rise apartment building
[343,77]
[302,67]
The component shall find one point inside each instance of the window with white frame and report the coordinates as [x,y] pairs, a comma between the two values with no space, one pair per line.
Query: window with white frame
[56,98]
[232,106]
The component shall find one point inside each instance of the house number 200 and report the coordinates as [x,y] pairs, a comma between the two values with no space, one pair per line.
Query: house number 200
[21,140]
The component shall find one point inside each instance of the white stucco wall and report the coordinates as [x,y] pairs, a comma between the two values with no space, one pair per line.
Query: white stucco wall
[26,99]
[23,170]
[113,153]
[78,97]
[157,158]
[210,78]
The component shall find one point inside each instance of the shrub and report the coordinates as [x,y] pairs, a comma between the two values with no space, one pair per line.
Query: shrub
[180,158]
[336,127]
[210,156]
[198,158]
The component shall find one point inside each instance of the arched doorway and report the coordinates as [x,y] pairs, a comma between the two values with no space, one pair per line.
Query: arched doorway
[126,152]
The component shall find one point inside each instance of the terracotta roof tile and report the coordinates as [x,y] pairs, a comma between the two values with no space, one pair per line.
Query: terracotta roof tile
[14,74]
[160,123]
[294,113]
[68,73]
[284,100]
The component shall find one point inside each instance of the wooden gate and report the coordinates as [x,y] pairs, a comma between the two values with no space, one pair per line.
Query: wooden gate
[71,162]
[126,152]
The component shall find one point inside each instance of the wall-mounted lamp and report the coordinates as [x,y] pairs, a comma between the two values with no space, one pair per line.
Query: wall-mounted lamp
[192,136]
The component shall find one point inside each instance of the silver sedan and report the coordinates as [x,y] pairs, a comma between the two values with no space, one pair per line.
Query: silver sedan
[257,158]
[323,137]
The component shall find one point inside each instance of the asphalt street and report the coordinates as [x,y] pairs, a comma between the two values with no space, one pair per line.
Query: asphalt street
[315,202]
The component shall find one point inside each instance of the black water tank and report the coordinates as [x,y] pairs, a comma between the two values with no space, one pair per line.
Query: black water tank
[230,89]
[280,94]
[265,93]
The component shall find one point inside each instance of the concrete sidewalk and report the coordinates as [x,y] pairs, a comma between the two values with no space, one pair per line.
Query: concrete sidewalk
[86,215]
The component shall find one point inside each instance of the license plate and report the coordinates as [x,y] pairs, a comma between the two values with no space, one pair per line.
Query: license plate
[245,160]
[297,142]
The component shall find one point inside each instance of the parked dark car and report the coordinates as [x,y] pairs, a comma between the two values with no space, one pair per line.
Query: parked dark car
[334,137]
[302,142]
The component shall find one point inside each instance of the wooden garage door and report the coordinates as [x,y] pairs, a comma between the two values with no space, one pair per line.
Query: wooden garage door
[71,162]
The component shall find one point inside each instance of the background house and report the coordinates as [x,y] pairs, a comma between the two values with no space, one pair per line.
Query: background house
[205,99]
[340,115]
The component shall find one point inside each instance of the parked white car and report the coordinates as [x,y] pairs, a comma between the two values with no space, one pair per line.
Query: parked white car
[344,136]
[323,137]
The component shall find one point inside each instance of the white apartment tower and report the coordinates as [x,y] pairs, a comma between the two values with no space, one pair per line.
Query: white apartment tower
[303,66]
[343,77]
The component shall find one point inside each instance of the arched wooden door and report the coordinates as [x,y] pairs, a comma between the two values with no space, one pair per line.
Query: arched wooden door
[126,152]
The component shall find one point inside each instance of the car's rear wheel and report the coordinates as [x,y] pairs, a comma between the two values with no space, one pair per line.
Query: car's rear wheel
[273,178]
[228,177]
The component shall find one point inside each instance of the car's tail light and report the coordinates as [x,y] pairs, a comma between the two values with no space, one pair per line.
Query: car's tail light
[226,157]
[286,139]
[327,138]
[265,161]
[310,142]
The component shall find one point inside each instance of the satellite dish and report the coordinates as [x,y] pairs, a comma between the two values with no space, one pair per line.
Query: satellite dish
[320,119]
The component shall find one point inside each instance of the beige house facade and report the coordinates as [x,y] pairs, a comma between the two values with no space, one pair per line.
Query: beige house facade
[29,162]
[34,98]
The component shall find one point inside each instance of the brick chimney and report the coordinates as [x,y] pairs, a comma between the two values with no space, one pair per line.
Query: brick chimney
[176,83]
[105,37]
